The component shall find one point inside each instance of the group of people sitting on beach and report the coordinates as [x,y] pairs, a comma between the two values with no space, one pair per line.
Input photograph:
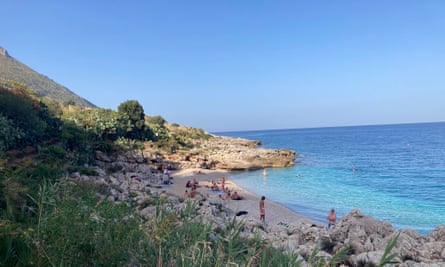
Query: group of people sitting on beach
[221,187]
[217,186]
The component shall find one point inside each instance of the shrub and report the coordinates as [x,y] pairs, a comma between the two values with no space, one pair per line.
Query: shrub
[88,171]
[30,116]
[10,135]
[327,245]
[82,231]
[156,120]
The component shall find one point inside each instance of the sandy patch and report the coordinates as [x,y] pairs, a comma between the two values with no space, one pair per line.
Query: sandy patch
[276,214]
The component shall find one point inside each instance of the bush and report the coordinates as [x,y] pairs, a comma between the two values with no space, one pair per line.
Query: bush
[156,120]
[327,245]
[31,118]
[10,135]
[136,120]
[82,231]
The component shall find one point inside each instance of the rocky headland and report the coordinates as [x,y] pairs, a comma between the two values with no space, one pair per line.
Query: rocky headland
[225,153]
[135,176]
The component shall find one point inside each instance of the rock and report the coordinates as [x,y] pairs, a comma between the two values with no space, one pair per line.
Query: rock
[408,245]
[361,232]
[148,212]
[3,52]
[437,234]
[101,156]
[75,175]
[372,257]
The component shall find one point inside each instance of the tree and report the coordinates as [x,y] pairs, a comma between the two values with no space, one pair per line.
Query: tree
[136,116]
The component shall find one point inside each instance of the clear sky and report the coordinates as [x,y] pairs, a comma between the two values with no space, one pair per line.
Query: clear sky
[225,65]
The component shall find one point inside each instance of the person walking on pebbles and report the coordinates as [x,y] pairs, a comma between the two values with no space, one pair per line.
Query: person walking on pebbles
[262,210]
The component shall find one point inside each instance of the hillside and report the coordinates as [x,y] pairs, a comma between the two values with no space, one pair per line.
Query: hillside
[12,69]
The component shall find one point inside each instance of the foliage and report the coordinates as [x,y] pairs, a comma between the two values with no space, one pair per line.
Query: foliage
[71,226]
[108,230]
[155,120]
[67,224]
[14,249]
[339,257]
[16,183]
[327,245]
[129,143]
[77,142]
[108,124]
[136,120]
[52,155]
[389,258]
[10,134]
[195,133]
[27,118]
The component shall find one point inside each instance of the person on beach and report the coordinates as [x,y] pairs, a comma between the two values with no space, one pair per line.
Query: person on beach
[235,196]
[262,210]
[222,181]
[332,218]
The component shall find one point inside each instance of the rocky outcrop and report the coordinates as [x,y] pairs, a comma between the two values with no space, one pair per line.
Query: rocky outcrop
[3,52]
[368,238]
[234,154]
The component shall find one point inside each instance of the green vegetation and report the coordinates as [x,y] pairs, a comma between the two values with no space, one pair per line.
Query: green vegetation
[27,120]
[77,229]
[388,258]
[136,127]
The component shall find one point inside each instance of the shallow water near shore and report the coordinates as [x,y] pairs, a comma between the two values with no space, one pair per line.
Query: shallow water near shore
[394,173]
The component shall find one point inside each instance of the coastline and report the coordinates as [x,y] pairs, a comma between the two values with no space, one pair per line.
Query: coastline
[283,227]
[276,214]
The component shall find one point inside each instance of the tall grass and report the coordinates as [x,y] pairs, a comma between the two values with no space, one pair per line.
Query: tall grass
[72,226]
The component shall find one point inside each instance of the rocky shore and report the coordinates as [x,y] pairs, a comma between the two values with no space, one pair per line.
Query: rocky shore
[225,153]
[137,177]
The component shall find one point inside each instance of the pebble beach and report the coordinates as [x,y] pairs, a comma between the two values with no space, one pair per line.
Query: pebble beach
[276,214]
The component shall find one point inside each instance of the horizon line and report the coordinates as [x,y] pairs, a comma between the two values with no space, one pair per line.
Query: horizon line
[324,127]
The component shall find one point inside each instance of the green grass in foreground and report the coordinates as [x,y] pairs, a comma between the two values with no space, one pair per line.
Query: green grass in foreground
[71,226]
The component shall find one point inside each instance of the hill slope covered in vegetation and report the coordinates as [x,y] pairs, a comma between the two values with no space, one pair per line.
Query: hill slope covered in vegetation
[12,69]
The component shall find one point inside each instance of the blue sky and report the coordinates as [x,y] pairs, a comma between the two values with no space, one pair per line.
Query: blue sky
[241,65]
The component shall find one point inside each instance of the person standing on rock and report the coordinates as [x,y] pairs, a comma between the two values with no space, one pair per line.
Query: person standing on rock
[332,218]
[262,210]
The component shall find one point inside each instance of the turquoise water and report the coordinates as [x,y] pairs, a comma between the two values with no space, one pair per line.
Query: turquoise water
[394,173]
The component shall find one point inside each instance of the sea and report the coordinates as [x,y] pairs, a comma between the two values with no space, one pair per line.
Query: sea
[394,173]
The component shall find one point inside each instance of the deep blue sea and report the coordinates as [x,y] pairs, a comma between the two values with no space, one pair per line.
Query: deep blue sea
[394,173]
